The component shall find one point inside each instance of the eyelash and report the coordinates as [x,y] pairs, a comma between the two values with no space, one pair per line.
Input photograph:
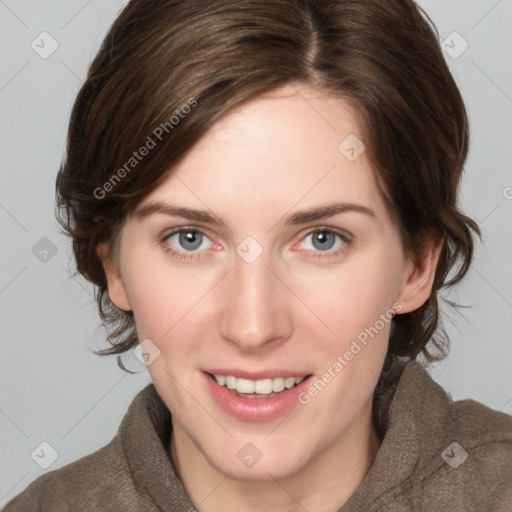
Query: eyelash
[189,255]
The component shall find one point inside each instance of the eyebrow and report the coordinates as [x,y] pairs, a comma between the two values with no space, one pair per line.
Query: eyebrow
[323,212]
[295,218]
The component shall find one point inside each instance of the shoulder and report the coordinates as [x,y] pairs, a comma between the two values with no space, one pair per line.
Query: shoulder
[115,477]
[483,433]
[451,455]
[486,436]
[476,460]
[478,424]
[433,412]
[81,485]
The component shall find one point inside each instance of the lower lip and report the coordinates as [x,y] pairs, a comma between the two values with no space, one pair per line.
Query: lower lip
[255,409]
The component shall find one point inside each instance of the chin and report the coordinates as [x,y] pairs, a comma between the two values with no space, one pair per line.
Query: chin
[260,472]
[266,464]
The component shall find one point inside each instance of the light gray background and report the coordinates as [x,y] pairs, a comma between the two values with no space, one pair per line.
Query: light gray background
[53,388]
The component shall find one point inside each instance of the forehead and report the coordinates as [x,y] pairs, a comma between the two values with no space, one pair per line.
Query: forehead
[292,146]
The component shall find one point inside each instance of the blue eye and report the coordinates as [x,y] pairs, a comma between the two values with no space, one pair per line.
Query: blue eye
[183,241]
[326,240]
[190,243]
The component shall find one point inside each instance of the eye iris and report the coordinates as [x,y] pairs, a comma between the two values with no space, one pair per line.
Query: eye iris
[190,237]
[325,238]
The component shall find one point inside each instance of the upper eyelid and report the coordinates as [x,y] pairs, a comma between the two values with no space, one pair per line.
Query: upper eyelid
[181,229]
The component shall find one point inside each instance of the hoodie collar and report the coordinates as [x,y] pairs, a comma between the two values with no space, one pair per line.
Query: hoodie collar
[145,435]
[415,413]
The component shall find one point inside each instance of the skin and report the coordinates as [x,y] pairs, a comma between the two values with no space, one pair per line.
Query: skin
[297,306]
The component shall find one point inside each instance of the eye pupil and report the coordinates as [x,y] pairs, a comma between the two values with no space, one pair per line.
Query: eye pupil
[192,238]
[325,238]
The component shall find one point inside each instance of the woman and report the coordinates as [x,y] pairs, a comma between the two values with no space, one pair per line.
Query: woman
[265,196]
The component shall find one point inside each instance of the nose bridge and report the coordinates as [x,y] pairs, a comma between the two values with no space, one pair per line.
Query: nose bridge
[253,312]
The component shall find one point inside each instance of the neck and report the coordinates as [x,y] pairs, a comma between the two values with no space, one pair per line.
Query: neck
[325,483]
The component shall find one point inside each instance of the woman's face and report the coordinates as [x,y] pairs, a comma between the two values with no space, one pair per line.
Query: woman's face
[267,274]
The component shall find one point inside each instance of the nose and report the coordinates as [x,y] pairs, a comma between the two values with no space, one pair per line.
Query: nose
[255,311]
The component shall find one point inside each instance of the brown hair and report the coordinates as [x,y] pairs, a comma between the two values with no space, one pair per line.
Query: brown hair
[161,58]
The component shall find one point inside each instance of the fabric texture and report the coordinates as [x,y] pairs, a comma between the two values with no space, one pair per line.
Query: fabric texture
[437,455]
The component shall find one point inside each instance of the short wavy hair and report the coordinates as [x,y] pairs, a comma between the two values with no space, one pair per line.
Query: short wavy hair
[382,56]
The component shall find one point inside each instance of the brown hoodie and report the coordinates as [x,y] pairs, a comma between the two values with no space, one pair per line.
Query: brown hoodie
[437,456]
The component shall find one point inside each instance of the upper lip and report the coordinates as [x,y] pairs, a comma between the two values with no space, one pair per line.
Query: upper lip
[258,375]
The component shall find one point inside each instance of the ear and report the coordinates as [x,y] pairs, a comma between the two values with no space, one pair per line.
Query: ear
[419,278]
[115,283]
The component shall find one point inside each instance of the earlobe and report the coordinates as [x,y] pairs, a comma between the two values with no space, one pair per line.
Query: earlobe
[115,284]
[419,278]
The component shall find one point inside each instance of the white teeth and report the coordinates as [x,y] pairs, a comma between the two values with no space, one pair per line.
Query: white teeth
[289,382]
[221,379]
[230,381]
[244,386]
[263,387]
[278,384]
[260,387]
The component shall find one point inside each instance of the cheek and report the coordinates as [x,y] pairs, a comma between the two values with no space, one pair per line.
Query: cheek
[163,306]
[350,299]
[152,304]
[157,297]
[168,301]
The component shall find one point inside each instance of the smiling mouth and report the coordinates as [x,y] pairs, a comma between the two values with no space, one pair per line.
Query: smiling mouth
[263,388]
